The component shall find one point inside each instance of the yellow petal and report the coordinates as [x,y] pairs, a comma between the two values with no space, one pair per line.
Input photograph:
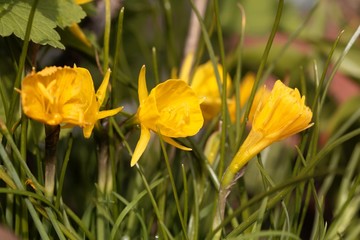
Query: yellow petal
[89,123]
[82,1]
[76,30]
[87,130]
[186,67]
[141,145]
[108,113]
[142,89]
[204,82]
[175,144]
[101,92]
[212,147]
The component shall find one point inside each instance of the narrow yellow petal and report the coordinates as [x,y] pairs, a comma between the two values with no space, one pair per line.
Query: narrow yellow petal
[88,130]
[142,89]
[76,30]
[175,144]
[141,145]
[101,92]
[186,67]
[82,1]
[108,113]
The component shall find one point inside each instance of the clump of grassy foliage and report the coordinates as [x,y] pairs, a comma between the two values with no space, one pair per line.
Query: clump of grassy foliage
[303,188]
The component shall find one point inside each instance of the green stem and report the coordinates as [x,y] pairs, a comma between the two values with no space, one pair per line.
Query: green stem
[23,150]
[102,184]
[230,176]
[116,66]
[237,80]
[176,197]
[54,223]
[224,110]
[107,35]
[154,204]
[63,171]
[15,95]
[155,64]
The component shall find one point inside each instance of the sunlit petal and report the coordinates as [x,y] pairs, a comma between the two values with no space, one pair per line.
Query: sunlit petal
[175,144]
[78,32]
[141,145]
[205,85]
[87,130]
[108,113]
[82,1]
[186,67]
[142,89]
[101,92]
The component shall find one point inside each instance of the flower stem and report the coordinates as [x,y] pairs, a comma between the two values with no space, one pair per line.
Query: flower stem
[176,197]
[14,98]
[51,140]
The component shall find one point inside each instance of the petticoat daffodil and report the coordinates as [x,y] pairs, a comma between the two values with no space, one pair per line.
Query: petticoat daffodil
[283,114]
[205,85]
[172,109]
[65,96]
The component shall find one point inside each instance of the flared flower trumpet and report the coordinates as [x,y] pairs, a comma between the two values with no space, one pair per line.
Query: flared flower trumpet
[65,96]
[172,109]
[283,114]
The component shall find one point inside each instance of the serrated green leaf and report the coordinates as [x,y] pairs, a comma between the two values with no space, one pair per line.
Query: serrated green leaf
[49,14]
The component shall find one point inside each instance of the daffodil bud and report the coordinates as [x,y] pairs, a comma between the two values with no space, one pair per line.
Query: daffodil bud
[282,114]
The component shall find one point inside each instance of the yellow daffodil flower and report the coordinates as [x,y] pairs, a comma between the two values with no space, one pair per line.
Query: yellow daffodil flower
[283,114]
[65,96]
[205,85]
[172,109]
[245,91]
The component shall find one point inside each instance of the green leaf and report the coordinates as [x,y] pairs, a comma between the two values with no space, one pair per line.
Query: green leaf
[49,14]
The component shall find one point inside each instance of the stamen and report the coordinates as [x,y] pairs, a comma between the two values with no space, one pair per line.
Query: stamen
[45,92]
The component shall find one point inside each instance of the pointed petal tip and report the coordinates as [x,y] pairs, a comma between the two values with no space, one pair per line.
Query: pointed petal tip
[141,145]
[142,88]
[175,144]
[133,162]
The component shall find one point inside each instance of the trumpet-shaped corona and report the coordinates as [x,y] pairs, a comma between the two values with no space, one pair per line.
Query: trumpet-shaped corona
[172,109]
[282,114]
[66,95]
